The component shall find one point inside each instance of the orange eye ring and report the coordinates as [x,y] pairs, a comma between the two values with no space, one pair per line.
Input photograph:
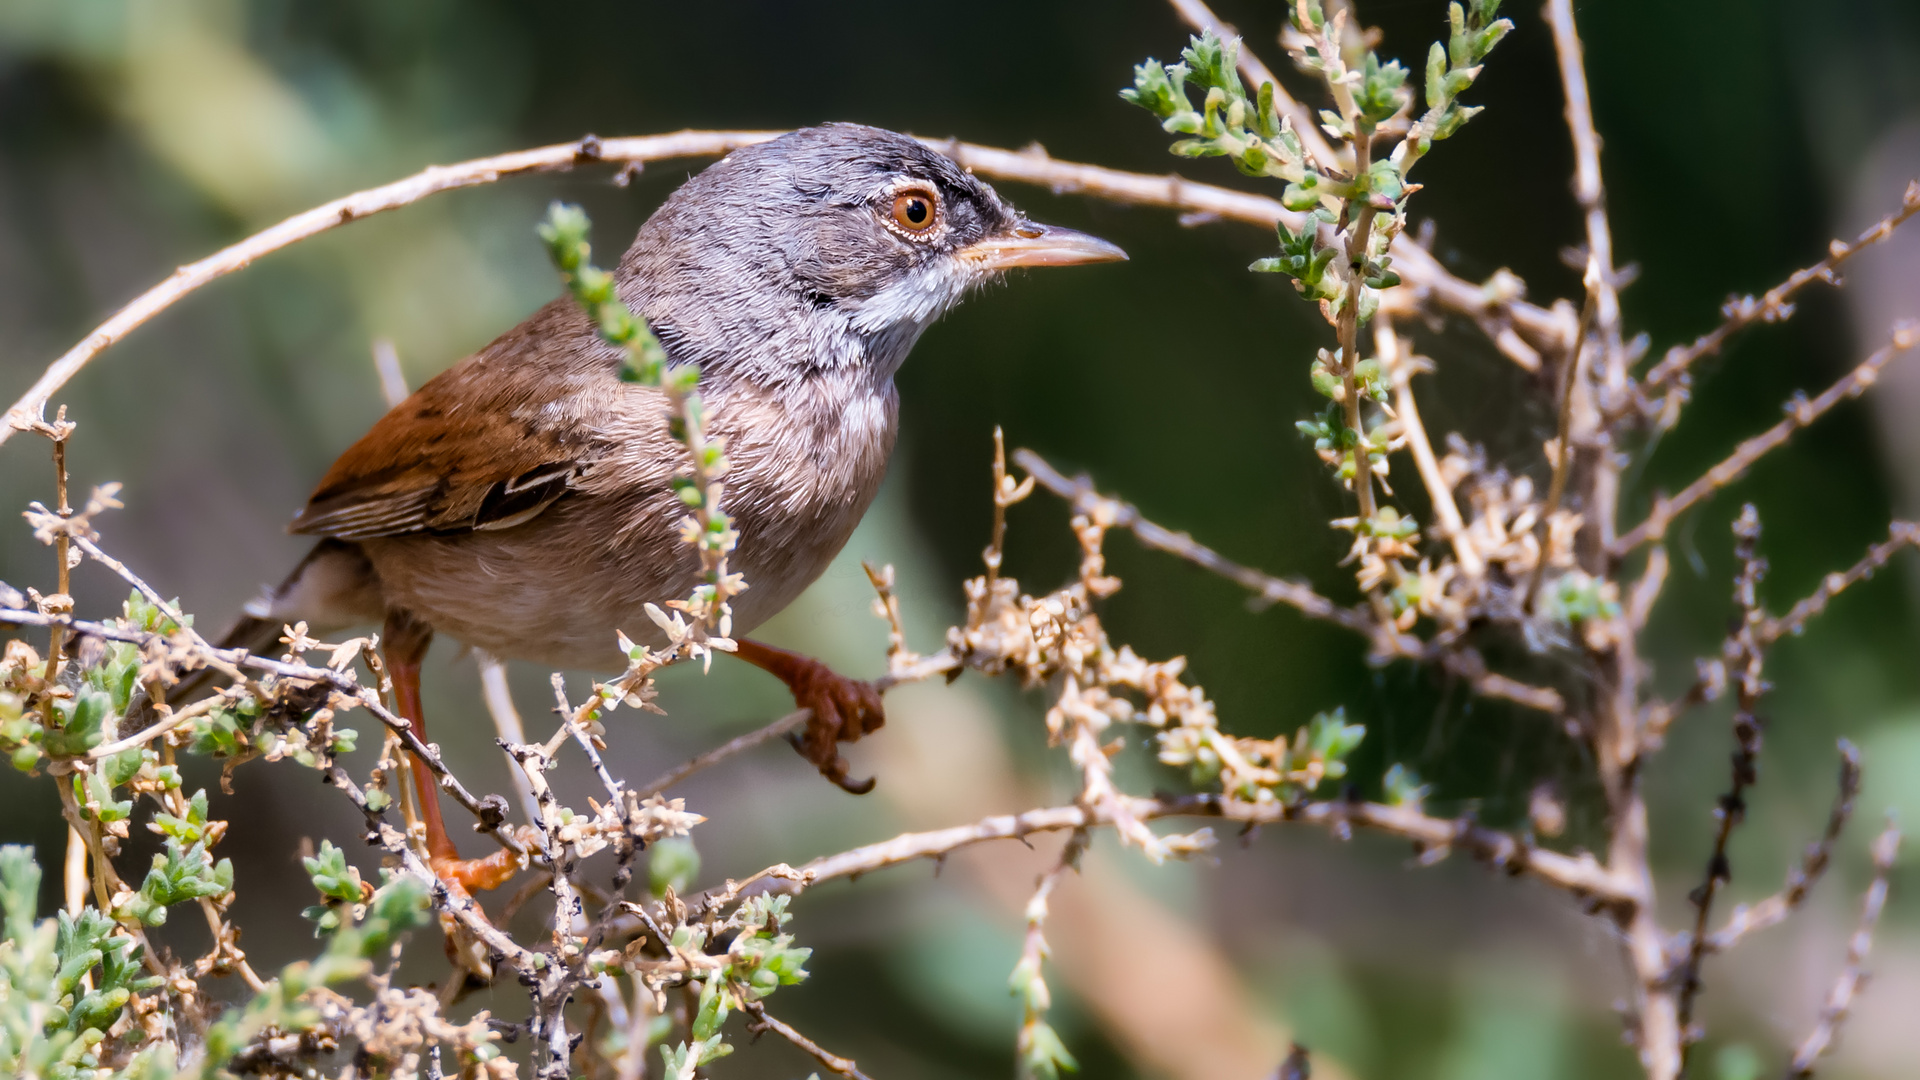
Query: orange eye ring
[916,210]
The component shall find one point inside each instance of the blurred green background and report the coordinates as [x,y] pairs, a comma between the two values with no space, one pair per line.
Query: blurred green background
[137,135]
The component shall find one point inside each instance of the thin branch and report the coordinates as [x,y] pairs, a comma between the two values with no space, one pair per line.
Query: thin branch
[1392,353]
[1417,268]
[1581,875]
[1744,311]
[1563,427]
[1802,878]
[1901,534]
[1712,677]
[832,1062]
[1646,591]
[1587,187]
[1468,664]
[1847,986]
[726,750]
[1087,500]
[1800,413]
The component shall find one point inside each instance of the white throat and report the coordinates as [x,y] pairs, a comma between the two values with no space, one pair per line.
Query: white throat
[892,320]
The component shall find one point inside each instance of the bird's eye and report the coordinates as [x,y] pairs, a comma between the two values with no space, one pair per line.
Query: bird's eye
[915,210]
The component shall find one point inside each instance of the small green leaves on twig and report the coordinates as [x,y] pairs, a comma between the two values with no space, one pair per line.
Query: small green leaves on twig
[1403,787]
[699,485]
[565,232]
[1228,123]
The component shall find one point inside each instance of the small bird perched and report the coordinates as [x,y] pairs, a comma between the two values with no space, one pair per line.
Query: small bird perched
[522,500]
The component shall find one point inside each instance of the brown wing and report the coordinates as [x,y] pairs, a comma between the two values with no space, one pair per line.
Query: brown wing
[487,444]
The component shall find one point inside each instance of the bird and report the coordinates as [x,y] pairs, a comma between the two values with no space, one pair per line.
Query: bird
[522,503]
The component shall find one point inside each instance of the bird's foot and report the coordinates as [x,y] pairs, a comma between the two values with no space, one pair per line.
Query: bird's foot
[476,875]
[843,709]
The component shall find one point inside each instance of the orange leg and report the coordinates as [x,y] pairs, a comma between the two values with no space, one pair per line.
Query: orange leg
[406,641]
[843,709]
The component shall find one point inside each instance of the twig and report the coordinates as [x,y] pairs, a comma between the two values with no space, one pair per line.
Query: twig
[1706,687]
[726,750]
[1646,591]
[1587,187]
[1615,727]
[1563,427]
[1418,268]
[1901,534]
[340,682]
[1393,355]
[1800,413]
[1087,500]
[1005,494]
[1468,664]
[1581,875]
[1840,999]
[161,727]
[1772,306]
[1034,1055]
[498,695]
[1802,878]
[1732,807]
[832,1062]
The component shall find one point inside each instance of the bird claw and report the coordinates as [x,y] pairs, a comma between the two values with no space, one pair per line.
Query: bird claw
[476,875]
[844,709]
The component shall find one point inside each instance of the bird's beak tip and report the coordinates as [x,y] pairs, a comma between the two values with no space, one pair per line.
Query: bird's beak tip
[1028,243]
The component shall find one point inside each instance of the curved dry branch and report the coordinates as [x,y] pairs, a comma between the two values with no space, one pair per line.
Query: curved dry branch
[1417,267]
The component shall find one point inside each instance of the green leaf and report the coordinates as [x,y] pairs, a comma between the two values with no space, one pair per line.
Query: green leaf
[713,1009]
[1214,63]
[332,876]
[1381,92]
[1403,787]
[1044,1056]
[672,863]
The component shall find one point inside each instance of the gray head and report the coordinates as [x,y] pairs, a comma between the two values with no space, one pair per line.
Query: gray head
[827,248]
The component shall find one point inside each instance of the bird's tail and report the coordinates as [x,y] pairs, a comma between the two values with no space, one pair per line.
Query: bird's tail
[249,632]
[334,586]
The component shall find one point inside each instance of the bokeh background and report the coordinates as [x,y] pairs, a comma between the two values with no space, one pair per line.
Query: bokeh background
[1740,135]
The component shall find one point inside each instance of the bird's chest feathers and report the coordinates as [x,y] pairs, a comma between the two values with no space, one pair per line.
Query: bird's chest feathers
[814,451]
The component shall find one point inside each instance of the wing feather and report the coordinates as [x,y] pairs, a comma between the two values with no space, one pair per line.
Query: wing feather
[487,444]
